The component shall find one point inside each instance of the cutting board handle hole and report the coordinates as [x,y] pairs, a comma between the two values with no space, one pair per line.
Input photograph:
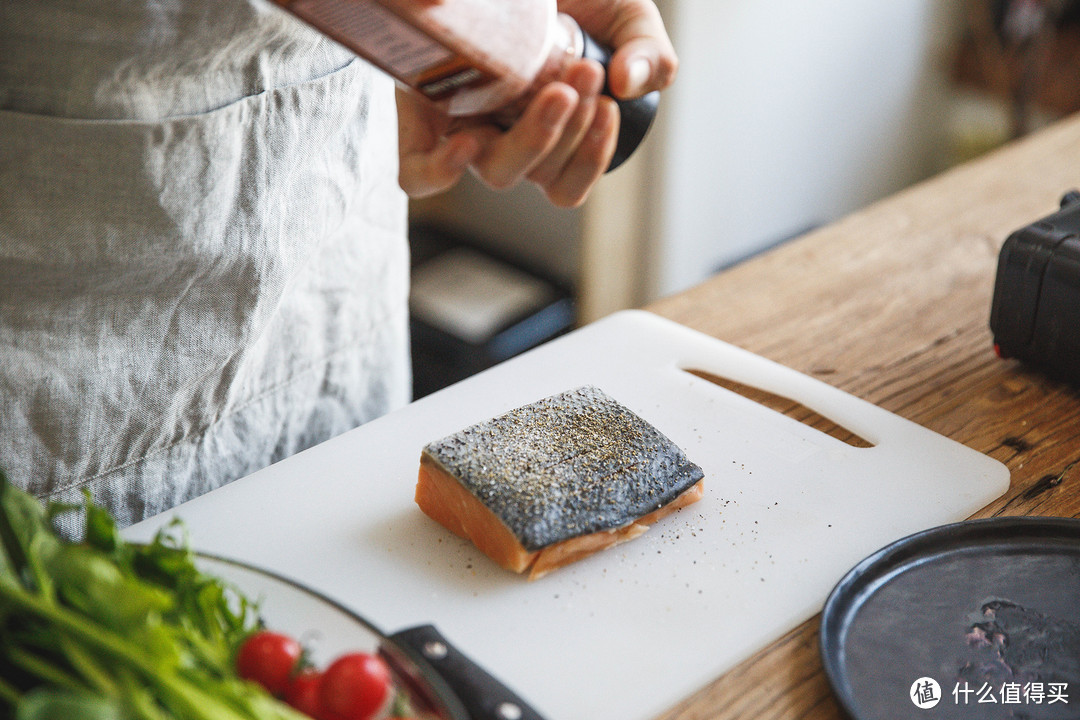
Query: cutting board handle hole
[792,408]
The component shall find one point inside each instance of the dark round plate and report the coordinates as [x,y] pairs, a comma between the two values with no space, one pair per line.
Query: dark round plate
[980,619]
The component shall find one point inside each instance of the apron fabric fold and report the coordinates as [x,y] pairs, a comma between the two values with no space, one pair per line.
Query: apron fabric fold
[200,275]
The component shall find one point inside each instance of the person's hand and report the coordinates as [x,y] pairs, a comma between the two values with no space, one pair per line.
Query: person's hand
[643,59]
[562,141]
[565,137]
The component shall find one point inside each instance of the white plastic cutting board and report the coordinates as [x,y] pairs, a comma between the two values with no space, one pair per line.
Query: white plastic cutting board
[628,633]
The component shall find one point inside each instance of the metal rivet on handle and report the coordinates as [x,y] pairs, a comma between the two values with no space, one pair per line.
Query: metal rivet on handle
[509,711]
[435,650]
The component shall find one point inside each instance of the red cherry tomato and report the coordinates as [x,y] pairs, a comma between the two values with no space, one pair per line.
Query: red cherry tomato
[354,687]
[303,692]
[268,658]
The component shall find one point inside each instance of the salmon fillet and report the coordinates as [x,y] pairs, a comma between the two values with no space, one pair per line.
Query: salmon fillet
[555,481]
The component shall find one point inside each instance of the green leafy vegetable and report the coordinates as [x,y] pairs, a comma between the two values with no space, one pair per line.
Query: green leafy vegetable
[106,630]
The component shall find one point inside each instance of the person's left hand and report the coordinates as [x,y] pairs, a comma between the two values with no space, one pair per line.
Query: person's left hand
[563,141]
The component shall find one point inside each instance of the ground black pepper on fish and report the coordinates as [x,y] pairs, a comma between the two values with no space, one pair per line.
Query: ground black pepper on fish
[567,466]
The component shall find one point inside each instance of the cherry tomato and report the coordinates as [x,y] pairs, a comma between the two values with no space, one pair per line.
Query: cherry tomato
[354,687]
[268,658]
[303,692]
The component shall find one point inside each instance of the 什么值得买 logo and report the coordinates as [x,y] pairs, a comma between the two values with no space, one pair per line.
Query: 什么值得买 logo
[926,693]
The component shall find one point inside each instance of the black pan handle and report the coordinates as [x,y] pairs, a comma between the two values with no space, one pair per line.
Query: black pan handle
[481,695]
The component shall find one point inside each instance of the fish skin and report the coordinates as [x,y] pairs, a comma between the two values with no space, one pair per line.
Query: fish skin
[572,464]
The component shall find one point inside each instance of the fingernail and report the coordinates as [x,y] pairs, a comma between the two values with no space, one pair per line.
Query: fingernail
[462,154]
[461,158]
[602,124]
[589,81]
[555,111]
[640,71]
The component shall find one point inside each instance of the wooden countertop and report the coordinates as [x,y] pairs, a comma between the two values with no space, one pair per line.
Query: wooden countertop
[892,304]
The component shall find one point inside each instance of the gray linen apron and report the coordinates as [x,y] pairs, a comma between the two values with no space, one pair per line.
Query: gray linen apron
[203,265]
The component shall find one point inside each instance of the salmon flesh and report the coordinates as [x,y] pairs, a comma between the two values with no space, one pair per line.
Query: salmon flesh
[554,481]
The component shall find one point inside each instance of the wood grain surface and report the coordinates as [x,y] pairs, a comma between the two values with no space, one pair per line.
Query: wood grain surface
[892,304]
